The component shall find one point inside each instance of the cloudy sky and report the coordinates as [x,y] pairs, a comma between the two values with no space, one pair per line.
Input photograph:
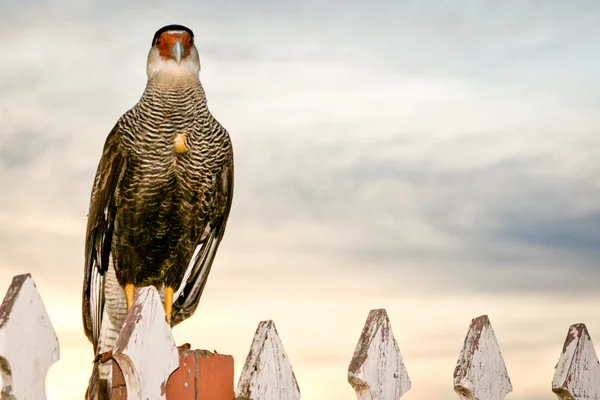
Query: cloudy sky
[438,159]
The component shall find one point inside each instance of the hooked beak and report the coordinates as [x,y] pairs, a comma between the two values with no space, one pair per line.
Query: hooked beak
[177,51]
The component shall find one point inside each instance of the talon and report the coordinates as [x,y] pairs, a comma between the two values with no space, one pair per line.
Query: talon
[185,346]
[104,357]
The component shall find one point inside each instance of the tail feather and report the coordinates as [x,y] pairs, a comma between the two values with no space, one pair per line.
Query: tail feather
[113,317]
[98,389]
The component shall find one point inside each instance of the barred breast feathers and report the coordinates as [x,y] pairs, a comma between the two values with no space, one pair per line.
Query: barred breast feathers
[168,107]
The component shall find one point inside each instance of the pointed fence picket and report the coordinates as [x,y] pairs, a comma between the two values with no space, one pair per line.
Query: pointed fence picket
[267,373]
[145,350]
[28,342]
[150,366]
[578,370]
[481,348]
[376,371]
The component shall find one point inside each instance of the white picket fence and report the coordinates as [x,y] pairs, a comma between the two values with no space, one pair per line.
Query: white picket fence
[147,355]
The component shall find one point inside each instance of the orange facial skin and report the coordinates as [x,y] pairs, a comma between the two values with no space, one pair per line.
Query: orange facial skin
[167,40]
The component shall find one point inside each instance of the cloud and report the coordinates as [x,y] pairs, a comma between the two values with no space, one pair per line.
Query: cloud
[396,169]
[394,155]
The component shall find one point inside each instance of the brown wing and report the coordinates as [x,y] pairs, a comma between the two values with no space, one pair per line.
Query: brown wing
[189,297]
[99,233]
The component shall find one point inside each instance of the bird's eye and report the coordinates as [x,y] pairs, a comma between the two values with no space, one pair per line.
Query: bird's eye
[191,41]
[158,41]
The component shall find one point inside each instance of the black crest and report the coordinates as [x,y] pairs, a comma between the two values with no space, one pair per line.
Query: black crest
[174,27]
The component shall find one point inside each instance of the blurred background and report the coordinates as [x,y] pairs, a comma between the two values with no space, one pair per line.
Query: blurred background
[438,159]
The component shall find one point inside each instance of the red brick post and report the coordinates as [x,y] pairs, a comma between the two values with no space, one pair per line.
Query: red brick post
[202,375]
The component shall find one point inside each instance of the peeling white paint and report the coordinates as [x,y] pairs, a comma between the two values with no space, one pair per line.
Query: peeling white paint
[267,372]
[145,350]
[577,375]
[147,355]
[480,372]
[28,342]
[377,371]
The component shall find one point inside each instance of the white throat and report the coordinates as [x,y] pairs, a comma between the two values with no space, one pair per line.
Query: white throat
[170,67]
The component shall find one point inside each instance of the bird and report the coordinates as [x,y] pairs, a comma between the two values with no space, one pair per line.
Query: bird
[160,201]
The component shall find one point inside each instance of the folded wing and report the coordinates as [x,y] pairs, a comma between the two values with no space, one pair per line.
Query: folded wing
[100,227]
[197,273]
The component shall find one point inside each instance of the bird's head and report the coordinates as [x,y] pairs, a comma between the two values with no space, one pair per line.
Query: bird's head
[173,52]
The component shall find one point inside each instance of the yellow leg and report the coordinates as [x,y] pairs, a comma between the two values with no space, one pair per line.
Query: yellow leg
[129,292]
[169,302]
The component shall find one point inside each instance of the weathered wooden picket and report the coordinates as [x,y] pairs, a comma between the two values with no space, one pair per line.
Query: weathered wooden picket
[150,366]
